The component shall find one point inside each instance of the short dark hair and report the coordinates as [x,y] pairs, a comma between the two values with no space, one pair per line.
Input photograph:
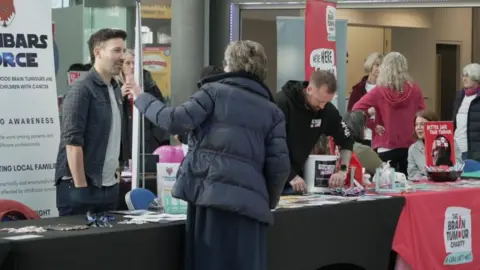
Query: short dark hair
[211,70]
[427,115]
[103,35]
[322,77]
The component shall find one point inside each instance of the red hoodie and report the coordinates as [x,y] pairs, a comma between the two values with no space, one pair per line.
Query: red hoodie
[395,112]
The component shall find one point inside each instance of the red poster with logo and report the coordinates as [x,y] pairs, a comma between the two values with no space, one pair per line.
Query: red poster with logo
[320,48]
[438,230]
[439,143]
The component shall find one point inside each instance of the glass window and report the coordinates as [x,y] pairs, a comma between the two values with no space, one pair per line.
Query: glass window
[60,3]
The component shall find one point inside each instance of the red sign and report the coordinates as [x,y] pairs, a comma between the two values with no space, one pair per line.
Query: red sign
[439,144]
[320,36]
[74,75]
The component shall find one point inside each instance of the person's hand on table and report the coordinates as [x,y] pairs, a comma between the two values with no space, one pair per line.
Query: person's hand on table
[298,184]
[337,180]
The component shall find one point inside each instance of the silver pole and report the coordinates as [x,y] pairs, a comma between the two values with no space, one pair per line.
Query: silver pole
[138,74]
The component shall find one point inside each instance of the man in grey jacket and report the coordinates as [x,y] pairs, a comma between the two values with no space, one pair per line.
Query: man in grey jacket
[88,156]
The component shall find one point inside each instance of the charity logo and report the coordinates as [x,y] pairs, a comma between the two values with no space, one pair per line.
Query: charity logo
[346,130]
[457,235]
[330,23]
[169,170]
[7,12]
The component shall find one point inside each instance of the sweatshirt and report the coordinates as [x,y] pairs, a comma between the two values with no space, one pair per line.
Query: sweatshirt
[305,126]
[395,112]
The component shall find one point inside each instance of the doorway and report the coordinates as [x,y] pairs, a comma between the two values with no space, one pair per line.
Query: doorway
[447,78]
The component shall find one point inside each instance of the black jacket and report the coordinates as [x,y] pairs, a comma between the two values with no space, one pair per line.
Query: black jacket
[305,126]
[238,157]
[154,136]
[473,124]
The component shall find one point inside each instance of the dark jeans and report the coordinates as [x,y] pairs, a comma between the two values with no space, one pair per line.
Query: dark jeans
[398,159]
[464,155]
[78,201]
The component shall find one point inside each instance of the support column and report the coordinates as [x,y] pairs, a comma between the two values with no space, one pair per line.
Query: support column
[188,39]
[219,29]
[475,35]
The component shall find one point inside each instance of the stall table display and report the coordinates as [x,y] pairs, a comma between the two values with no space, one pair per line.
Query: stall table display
[146,246]
[437,227]
[345,231]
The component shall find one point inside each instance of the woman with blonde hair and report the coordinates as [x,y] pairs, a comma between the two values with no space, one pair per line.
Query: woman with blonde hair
[396,100]
[154,136]
[367,83]
[237,163]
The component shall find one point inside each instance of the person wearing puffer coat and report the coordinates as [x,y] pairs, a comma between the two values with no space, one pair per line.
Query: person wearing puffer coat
[237,163]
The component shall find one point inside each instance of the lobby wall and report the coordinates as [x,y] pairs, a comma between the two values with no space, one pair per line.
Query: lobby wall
[414,32]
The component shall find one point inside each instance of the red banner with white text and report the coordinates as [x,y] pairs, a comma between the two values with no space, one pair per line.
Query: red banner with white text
[320,36]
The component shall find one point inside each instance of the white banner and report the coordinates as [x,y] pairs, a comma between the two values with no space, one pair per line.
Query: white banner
[29,120]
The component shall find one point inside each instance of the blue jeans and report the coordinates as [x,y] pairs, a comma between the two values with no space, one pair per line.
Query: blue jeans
[464,155]
[78,201]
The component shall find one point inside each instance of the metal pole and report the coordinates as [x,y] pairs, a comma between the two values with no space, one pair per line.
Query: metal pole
[138,74]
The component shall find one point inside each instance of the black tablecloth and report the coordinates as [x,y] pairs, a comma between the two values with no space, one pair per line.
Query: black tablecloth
[147,246]
[4,251]
[355,233]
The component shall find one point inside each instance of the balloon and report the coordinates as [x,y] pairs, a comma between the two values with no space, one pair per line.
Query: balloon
[169,154]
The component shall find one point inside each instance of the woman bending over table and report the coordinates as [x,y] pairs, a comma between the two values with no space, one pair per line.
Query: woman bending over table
[416,152]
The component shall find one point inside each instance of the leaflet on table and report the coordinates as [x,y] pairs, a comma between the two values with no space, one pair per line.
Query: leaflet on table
[23,237]
[156,217]
[439,144]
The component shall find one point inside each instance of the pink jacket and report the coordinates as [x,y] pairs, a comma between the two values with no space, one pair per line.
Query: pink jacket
[395,112]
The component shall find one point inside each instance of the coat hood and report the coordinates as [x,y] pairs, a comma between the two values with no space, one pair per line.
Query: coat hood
[294,91]
[397,99]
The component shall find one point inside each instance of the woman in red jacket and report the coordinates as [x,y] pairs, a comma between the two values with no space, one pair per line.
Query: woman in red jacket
[396,100]
[366,84]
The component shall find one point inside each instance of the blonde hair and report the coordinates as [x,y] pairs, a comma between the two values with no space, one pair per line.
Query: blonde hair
[371,60]
[393,72]
[472,71]
[120,77]
[248,56]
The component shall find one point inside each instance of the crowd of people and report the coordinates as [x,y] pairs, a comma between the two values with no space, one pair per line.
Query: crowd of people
[247,146]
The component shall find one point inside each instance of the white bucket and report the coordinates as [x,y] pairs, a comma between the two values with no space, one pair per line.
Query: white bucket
[317,172]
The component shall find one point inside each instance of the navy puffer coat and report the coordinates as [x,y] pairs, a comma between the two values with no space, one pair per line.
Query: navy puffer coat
[238,159]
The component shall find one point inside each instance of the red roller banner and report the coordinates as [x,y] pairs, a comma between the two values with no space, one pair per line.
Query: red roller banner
[320,36]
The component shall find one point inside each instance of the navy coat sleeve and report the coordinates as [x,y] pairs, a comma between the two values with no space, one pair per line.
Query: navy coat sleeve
[277,161]
[180,119]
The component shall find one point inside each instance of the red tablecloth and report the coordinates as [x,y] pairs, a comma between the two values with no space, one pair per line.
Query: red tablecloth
[440,230]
